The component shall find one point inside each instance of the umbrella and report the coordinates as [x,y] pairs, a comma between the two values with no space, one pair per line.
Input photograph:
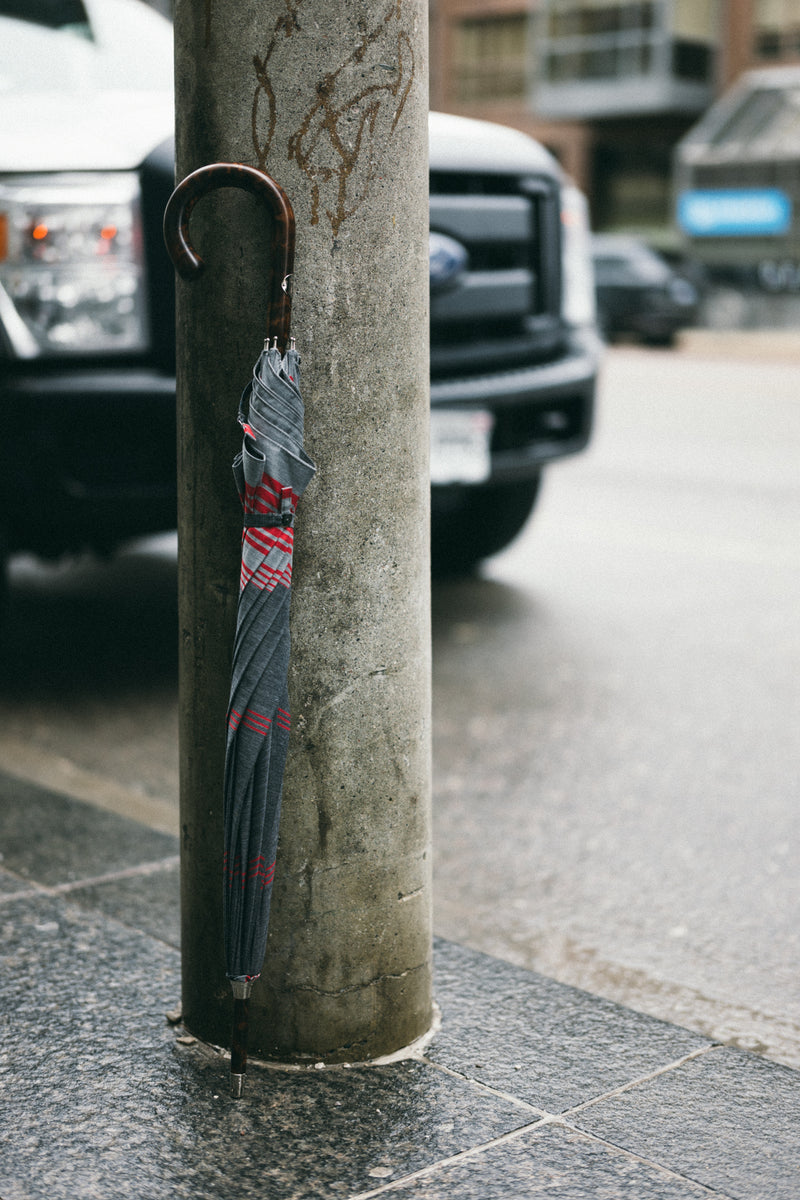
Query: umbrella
[271,471]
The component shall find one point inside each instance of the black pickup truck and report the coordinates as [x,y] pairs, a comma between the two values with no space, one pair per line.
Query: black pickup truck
[87,385]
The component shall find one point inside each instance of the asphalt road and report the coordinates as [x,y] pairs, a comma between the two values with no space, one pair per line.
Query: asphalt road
[618,710]
[616,704]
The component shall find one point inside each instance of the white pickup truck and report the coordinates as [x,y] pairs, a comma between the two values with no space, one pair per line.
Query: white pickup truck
[87,297]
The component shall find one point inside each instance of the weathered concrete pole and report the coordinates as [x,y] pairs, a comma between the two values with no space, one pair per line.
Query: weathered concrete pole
[331,100]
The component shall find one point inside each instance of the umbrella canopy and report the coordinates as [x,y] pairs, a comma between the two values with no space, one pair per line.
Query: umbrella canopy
[271,471]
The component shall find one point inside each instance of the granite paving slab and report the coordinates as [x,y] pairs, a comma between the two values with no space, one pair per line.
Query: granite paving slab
[727,1119]
[11,884]
[556,1162]
[149,901]
[98,1097]
[52,839]
[547,1044]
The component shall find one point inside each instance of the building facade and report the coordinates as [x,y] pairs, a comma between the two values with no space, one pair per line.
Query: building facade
[610,87]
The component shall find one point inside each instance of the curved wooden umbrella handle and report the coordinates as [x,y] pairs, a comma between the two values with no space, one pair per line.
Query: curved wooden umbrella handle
[188,262]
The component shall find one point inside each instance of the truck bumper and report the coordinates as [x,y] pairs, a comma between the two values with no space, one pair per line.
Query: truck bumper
[87,457]
[541,412]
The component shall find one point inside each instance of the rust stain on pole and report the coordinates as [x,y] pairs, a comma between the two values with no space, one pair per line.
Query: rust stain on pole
[325,149]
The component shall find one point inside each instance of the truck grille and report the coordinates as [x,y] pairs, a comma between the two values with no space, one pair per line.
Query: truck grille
[503,309]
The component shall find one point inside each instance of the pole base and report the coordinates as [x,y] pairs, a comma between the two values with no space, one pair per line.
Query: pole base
[237,1086]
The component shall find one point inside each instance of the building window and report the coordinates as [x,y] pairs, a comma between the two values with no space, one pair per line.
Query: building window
[776,29]
[694,24]
[587,18]
[691,60]
[491,59]
[598,39]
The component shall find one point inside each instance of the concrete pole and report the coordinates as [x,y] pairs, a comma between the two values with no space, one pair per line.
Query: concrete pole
[331,100]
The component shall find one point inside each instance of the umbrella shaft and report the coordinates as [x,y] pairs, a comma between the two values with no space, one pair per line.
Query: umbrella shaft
[239,1038]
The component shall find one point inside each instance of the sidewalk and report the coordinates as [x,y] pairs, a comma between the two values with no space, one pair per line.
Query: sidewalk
[528,1088]
[769,345]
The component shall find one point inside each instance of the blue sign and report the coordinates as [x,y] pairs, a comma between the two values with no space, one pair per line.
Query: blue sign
[732,212]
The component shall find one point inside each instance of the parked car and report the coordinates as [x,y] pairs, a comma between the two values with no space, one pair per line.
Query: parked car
[638,292]
[87,297]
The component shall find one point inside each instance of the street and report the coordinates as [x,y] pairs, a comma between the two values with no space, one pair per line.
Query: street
[616,704]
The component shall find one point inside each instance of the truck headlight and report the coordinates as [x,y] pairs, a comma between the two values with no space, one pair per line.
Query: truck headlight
[71,265]
[578,295]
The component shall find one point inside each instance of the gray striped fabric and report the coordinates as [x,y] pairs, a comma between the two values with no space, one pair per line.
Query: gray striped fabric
[272,472]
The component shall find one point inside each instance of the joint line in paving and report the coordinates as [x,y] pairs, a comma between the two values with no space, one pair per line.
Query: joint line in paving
[544,1119]
[36,890]
[462,1156]
[650,1162]
[626,1087]
[509,1097]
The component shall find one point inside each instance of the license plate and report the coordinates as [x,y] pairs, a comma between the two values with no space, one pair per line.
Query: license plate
[460,445]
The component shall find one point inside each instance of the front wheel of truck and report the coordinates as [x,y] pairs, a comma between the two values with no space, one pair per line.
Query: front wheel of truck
[483,522]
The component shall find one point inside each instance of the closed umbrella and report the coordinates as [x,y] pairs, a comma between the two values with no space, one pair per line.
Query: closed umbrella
[271,471]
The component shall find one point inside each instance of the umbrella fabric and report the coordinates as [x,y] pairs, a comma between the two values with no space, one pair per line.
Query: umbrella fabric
[271,473]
